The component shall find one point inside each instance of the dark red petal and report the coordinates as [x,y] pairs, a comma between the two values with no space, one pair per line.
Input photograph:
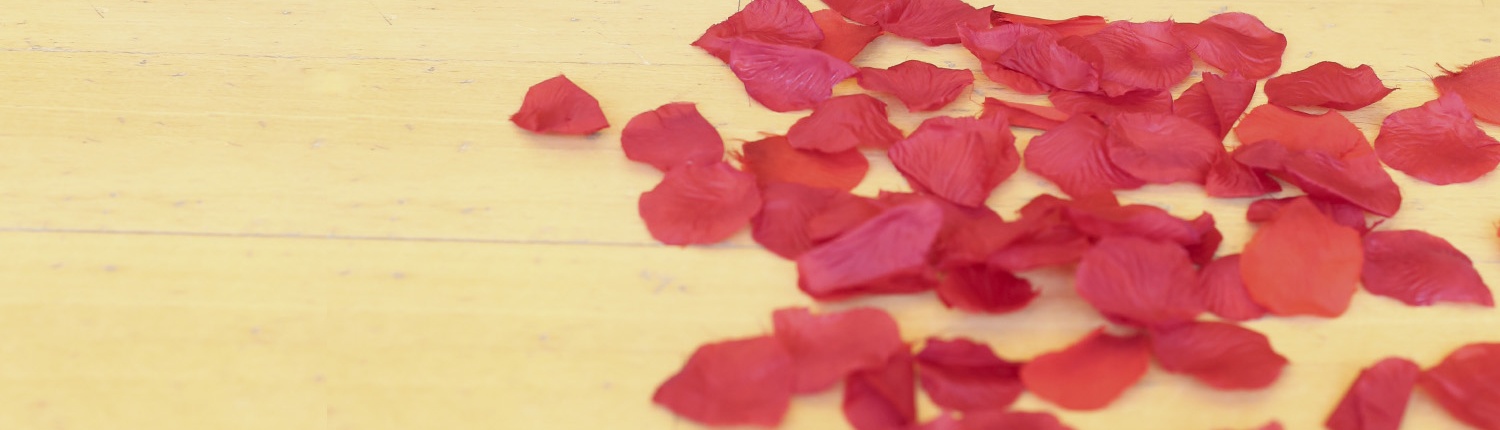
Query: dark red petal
[1089,374]
[1222,355]
[1010,420]
[981,288]
[1302,263]
[1209,239]
[933,22]
[1104,107]
[776,22]
[1345,214]
[1377,400]
[883,398]
[827,347]
[959,159]
[1357,179]
[1329,133]
[1236,42]
[845,122]
[1228,178]
[1033,52]
[557,106]
[1327,84]
[787,209]
[672,135]
[1073,156]
[922,87]
[1437,142]
[966,376]
[786,78]
[1420,269]
[1139,282]
[773,159]
[699,204]
[1037,253]
[1025,115]
[1467,384]
[1222,291]
[883,255]
[1215,102]
[842,39]
[1140,56]
[1016,81]
[736,382]
[1162,148]
[1478,84]
[1082,25]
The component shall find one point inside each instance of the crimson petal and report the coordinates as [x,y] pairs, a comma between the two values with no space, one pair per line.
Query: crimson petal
[842,39]
[1215,102]
[773,159]
[964,375]
[1140,56]
[699,204]
[845,122]
[1139,282]
[827,347]
[1222,355]
[1236,42]
[1082,25]
[736,382]
[782,225]
[1345,214]
[922,87]
[1377,399]
[1329,133]
[786,78]
[558,106]
[884,397]
[672,135]
[1357,179]
[961,160]
[1106,108]
[1327,84]
[1222,291]
[1025,115]
[1228,178]
[1162,148]
[1033,52]
[1302,263]
[983,288]
[1420,269]
[776,22]
[887,254]
[933,22]
[1437,142]
[1467,384]
[1089,374]
[1073,156]
[1010,420]
[1478,84]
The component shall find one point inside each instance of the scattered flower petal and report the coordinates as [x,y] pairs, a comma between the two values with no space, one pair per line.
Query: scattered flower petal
[1139,282]
[699,204]
[827,347]
[842,39]
[557,106]
[982,288]
[961,160]
[1377,399]
[1089,374]
[1140,56]
[1327,84]
[1467,384]
[1437,142]
[773,159]
[1236,42]
[884,397]
[1033,52]
[1106,108]
[786,78]
[1420,269]
[1162,148]
[1302,263]
[843,123]
[776,22]
[1082,25]
[1478,84]
[1357,179]
[1073,155]
[933,22]
[1345,214]
[1025,115]
[1221,355]
[1215,102]
[922,87]
[1222,291]
[736,382]
[887,254]
[672,135]
[963,375]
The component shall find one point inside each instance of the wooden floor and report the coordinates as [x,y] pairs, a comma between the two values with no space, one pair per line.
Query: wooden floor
[260,214]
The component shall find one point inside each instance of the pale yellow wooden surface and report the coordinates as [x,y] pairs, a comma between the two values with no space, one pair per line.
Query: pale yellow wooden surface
[261,214]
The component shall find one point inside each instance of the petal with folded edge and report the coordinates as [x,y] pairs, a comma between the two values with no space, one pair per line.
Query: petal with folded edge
[829,346]
[843,123]
[1437,142]
[777,22]
[1215,102]
[887,254]
[1478,84]
[933,22]
[842,39]
[1073,155]
[1222,291]
[786,78]
[1420,269]
[1327,84]
[1140,56]
[959,159]
[1236,42]
[558,106]
[773,159]
[1025,115]
[921,86]
[883,397]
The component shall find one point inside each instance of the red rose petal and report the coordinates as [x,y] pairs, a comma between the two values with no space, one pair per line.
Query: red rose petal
[1222,355]
[787,210]
[699,204]
[1215,102]
[1089,374]
[867,12]
[1273,425]
[933,22]
[1467,384]
[1209,239]
[1162,148]
[1045,238]
[883,398]
[843,123]
[1106,108]
[786,78]
[1377,399]
[1357,179]
[773,159]
[1033,52]
[842,39]
[1329,133]
[959,159]
[1302,263]
[922,87]
[982,288]
[1327,84]
[1345,214]
[557,106]
[736,382]
[1073,156]
[776,22]
[1420,269]
[1228,178]
[827,347]
[1016,81]
[1437,142]
[1140,56]
[1236,42]
[1082,25]
[887,254]
[672,135]
[1010,420]
[1222,291]
[966,376]
[1139,282]
[1478,84]
[1025,115]
[1099,220]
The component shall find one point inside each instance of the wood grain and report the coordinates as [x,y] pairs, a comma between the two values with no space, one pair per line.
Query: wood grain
[305,215]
